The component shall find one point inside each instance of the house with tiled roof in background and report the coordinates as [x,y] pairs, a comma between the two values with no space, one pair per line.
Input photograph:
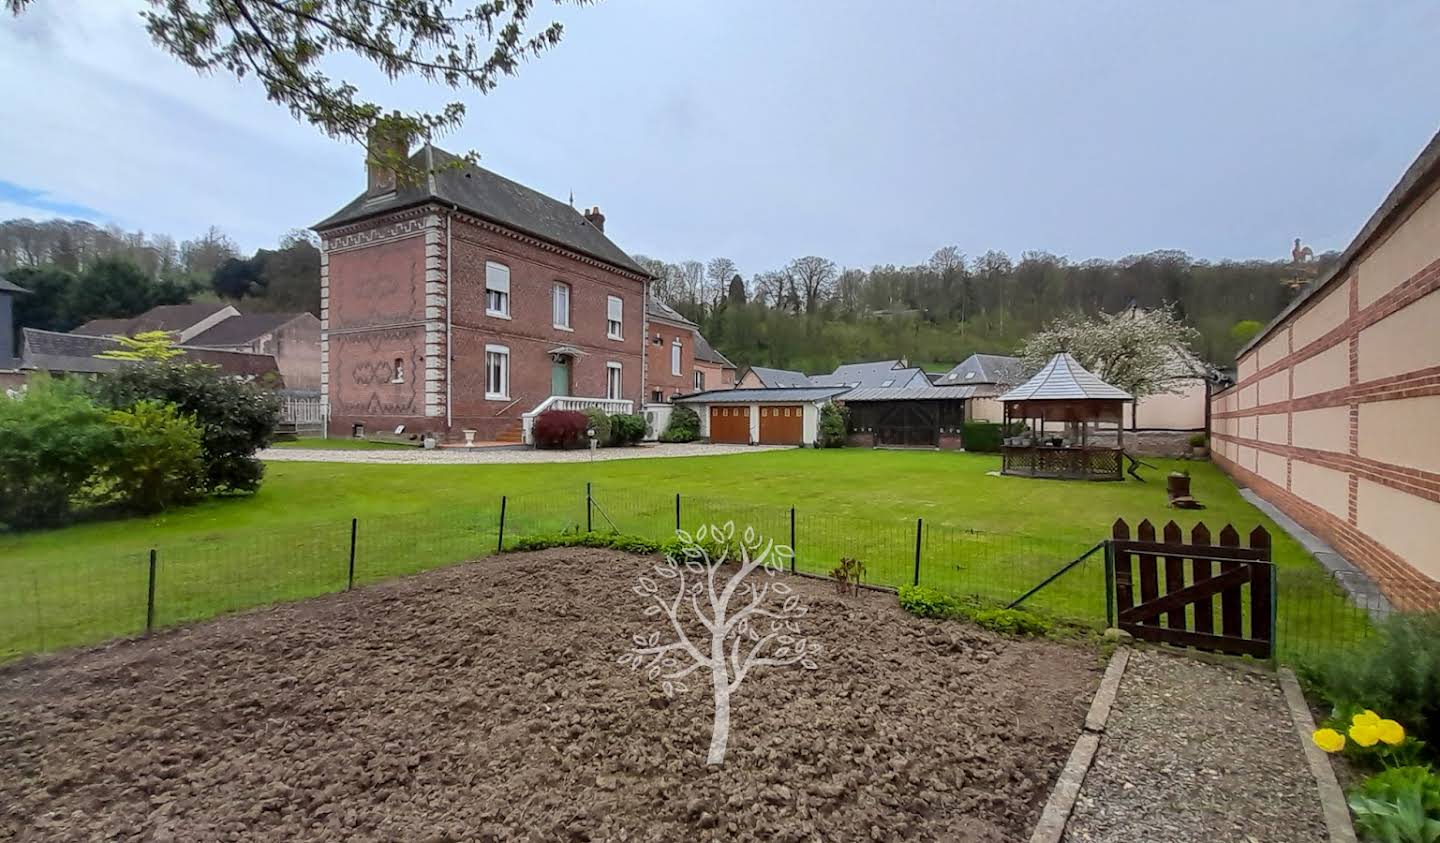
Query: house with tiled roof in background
[670,341]
[182,321]
[989,376]
[713,370]
[463,304]
[764,377]
[881,374]
[292,339]
[10,374]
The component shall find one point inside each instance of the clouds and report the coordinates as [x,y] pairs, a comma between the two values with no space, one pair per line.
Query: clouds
[763,130]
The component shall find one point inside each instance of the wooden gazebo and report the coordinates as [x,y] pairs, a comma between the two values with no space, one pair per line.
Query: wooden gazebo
[1064,392]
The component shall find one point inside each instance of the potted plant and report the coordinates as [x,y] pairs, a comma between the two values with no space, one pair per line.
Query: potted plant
[1199,446]
[1177,484]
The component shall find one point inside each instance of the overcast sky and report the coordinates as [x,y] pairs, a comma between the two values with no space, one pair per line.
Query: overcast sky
[862,131]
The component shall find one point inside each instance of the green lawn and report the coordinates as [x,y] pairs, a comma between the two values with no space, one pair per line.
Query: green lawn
[343,444]
[994,536]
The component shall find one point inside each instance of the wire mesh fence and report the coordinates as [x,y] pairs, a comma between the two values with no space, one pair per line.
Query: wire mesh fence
[51,606]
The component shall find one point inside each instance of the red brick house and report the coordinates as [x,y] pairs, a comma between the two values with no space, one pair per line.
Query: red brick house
[669,353]
[468,302]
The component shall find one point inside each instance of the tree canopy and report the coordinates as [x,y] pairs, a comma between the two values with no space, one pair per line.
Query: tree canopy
[462,44]
[1144,352]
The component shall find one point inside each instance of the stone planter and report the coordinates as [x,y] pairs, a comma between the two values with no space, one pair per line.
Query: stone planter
[1199,452]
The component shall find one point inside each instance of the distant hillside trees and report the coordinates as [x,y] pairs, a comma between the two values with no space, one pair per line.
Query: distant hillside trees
[812,315]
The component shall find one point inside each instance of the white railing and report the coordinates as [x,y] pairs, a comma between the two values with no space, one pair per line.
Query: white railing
[303,411]
[610,406]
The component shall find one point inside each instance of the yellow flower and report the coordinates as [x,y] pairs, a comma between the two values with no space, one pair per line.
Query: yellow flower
[1366,718]
[1390,732]
[1364,734]
[1328,740]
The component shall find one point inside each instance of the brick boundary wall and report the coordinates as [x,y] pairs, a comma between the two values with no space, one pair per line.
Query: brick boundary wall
[1405,585]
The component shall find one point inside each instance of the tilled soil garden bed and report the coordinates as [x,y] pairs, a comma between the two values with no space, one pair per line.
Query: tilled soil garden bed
[485,702]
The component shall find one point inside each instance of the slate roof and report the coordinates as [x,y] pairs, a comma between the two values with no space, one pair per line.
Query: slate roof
[53,351]
[985,368]
[1063,378]
[244,329]
[912,393]
[660,310]
[10,287]
[780,377]
[875,374]
[492,197]
[169,317]
[706,352]
[762,396]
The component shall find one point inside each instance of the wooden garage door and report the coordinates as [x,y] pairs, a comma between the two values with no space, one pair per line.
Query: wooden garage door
[782,425]
[730,424]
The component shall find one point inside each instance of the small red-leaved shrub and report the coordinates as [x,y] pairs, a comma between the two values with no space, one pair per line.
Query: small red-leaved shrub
[560,429]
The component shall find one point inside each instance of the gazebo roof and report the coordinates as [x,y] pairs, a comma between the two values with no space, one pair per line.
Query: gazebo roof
[1064,379]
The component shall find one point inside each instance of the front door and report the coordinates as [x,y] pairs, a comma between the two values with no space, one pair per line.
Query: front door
[560,376]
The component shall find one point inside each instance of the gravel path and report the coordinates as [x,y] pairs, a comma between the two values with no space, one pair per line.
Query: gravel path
[1197,752]
[458,456]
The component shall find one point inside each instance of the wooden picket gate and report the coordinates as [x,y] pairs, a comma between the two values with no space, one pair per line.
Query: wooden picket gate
[1185,594]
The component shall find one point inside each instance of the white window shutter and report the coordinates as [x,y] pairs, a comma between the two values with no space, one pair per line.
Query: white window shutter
[617,309]
[497,277]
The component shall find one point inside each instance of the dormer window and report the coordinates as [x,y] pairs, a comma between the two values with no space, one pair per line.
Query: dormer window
[969,375]
[890,382]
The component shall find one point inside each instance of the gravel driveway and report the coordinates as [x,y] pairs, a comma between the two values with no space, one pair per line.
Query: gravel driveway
[1197,752]
[460,456]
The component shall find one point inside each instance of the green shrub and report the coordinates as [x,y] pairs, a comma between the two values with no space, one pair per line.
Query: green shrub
[1397,672]
[157,462]
[1389,785]
[615,541]
[1011,621]
[923,601]
[834,425]
[1399,805]
[236,418]
[684,425]
[52,437]
[599,422]
[1199,440]
[987,437]
[626,429]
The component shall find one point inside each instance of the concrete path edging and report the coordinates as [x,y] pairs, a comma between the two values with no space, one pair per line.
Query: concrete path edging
[1051,827]
[1332,799]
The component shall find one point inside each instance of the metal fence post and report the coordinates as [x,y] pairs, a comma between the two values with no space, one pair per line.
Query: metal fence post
[919,530]
[350,575]
[1109,584]
[589,509]
[792,539]
[150,596]
[500,545]
[677,512]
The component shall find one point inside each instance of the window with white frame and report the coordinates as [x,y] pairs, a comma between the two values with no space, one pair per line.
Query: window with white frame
[615,318]
[397,374]
[497,289]
[699,381]
[675,358]
[614,385]
[560,305]
[497,372]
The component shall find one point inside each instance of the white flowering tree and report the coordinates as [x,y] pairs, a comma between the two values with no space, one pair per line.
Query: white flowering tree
[1144,352]
[724,614]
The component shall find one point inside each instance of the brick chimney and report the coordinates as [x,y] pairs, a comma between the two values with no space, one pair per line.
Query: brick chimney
[387,141]
[595,218]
